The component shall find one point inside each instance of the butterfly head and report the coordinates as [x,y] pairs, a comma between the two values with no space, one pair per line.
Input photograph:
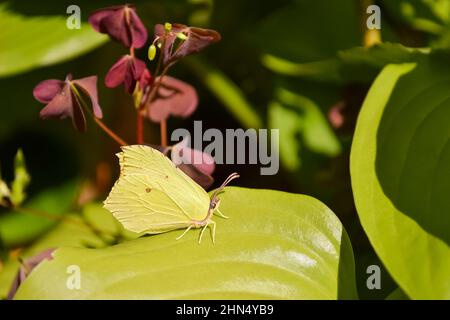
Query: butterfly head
[215,201]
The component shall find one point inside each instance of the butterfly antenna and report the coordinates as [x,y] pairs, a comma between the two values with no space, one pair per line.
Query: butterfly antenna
[230,178]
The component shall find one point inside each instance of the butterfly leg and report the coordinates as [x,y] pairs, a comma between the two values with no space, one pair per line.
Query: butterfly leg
[220,214]
[201,233]
[185,231]
[213,230]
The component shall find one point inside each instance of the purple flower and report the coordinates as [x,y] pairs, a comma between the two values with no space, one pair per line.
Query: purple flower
[62,99]
[121,23]
[192,40]
[26,268]
[145,80]
[174,97]
[196,164]
[127,70]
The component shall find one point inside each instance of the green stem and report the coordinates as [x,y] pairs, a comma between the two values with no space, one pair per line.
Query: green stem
[99,122]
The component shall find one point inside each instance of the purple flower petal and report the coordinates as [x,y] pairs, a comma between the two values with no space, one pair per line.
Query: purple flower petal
[201,177]
[196,40]
[96,18]
[78,117]
[336,115]
[117,73]
[204,180]
[65,103]
[168,38]
[27,268]
[182,154]
[115,25]
[175,97]
[138,67]
[60,106]
[89,86]
[138,31]
[46,90]
[121,23]
[126,70]
[145,79]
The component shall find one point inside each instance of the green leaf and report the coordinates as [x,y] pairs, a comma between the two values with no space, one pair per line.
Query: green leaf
[397,294]
[302,124]
[21,179]
[36,41]
[382,54]
[226,91]
[400,169]
[287,121]
[5,193]
[275,245]
[357,64]
[426,15]
[327,70]
[20,227]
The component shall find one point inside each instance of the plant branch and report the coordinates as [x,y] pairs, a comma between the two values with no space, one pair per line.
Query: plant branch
[99,122]
[108,131]
[140,127]
[163,129]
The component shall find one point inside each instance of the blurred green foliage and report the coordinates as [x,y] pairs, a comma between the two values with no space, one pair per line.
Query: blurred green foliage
[281,64]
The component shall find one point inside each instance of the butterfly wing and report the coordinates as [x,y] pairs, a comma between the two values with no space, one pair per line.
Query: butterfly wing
[152,195]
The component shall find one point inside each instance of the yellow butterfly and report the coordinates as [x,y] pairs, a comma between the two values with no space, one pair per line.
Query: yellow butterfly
[153,196]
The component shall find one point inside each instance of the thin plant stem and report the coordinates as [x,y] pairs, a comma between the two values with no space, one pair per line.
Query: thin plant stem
[140,127]
[57,218]
[108,131]
[139,120]
[99,122]
[163,128]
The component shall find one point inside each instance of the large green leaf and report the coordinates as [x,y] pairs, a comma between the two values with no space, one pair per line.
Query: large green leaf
[35,41]
[275,245]
[400,167]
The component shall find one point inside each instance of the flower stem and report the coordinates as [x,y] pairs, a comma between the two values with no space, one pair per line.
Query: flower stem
[154,89]
[99,122]
[108,131]
[163,128]
[65,218]
[140,128]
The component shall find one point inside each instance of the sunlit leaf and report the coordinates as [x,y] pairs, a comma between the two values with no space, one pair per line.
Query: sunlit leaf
[36,41]
[274,245]
[400,175]
[21,179]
